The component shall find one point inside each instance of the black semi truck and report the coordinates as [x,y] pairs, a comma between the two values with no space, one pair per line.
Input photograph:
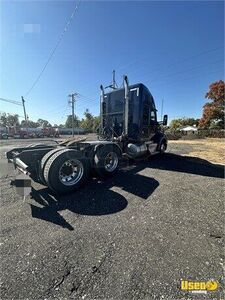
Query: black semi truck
[128,127]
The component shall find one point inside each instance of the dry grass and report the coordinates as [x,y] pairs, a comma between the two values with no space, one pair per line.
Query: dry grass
[211,149]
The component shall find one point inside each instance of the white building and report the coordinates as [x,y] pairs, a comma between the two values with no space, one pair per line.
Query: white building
[189,129]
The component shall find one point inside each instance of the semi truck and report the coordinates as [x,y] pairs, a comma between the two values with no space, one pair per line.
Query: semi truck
[128,128]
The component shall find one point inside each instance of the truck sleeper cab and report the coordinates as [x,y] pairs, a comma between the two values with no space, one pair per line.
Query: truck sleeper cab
[142,117]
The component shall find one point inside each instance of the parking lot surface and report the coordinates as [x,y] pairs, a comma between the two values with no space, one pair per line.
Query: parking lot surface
[133,236]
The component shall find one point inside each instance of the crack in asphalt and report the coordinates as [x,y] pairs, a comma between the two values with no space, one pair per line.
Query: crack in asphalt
[65,275]
[59,283]
[185,209]
[216,236]
[90,274]
[78,288]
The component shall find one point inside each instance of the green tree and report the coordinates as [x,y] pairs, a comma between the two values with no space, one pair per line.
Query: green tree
[96,123]
[9,120]
[190,122]
[13,120]
[30,124]
[3,119]
[87,122]
[43,123]
[69,121]
[178,123]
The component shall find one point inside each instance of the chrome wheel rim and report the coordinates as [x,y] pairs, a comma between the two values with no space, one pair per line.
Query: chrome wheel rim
[71,172]
[111,161]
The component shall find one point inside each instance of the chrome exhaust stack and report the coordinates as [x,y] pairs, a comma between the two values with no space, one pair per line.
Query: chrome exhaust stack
[126,108]
[101,105]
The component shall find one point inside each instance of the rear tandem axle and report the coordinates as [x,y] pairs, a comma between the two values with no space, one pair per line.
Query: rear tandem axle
[65,167]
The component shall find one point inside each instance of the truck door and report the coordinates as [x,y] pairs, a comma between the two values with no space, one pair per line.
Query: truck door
[152,122]
[146,119]
[134,116]
[149,120]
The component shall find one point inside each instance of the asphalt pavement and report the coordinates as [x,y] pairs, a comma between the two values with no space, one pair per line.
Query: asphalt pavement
[133,236]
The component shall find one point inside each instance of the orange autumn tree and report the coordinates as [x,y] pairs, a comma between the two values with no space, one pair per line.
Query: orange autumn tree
[213,112]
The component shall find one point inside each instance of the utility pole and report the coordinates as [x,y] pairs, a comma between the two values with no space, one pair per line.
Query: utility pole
[72,96]
[25,115]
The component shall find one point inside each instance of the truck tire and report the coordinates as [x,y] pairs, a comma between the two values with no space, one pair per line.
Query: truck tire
[44,161]
[106,160]
[66,171]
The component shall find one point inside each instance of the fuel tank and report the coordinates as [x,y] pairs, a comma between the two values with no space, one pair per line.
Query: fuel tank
[134,150]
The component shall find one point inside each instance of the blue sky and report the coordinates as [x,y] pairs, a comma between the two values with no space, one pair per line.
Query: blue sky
[176,48]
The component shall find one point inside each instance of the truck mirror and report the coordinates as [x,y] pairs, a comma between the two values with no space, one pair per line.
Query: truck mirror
[165,119]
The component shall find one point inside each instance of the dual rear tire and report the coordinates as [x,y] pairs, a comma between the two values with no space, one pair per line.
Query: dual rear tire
[106,160]
[65,170]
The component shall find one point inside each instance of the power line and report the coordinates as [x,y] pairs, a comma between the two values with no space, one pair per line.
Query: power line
[87,100]
[172,64]
[11,101]
[168,84]
[156,79]
[54,49]
[184,71]
[157,68]
[55,110]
